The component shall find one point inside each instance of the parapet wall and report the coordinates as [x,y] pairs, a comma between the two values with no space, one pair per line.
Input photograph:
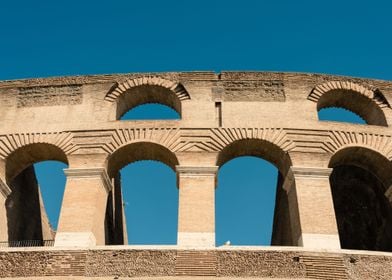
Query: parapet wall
[126,261]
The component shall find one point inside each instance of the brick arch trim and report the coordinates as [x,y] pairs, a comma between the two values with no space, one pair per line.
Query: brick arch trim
[120,88]
[372,93]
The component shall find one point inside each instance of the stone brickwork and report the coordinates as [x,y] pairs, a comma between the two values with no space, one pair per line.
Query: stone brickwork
[274,116]
[49,96]
[129,262]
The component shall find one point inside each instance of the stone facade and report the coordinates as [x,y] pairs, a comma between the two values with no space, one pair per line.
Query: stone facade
[75,120]
[238,263]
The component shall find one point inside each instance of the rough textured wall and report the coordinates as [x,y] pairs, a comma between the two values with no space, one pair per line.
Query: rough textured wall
[369,267]
[94,263]
[259,263]
[128,263]
[230,263]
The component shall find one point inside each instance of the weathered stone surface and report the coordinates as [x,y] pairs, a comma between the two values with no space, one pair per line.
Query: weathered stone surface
[260,264]
[49,96]
[270,115]
[369,267]
[160,264]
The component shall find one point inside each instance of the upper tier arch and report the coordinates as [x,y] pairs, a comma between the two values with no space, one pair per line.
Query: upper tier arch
[368,102]
[147,89]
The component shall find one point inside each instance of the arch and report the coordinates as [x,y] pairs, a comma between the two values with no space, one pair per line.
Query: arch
[359,182]
[26,215]
[368,103]
[366,158]
[245,201]
[26,155]
[274,154]
[147,89]
[150,202]
[139,151]
[130,153]
[258,148]
[12,142]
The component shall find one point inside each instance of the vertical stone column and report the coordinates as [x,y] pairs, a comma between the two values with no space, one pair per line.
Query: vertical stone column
[311,208]
[82,217]
[196,213]
[5,191]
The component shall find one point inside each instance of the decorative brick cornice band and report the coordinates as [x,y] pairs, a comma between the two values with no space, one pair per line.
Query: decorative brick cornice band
[197,170]
[90,173]
[370,92]
[121,88]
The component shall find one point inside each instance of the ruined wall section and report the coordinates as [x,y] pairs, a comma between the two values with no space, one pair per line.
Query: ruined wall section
[120,262]
[247,100]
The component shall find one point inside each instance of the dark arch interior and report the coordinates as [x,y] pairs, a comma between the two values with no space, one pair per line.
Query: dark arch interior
[147,94]
[359,181]
[363,213]
[353,101]
[28,223]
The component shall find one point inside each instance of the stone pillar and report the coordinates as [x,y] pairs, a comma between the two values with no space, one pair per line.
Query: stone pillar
[311,208]
[196,214]
[82,216]
[5,191]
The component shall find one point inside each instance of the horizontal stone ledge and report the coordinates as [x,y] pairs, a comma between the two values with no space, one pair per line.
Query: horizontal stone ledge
[239,248]
[310,172]
[85,173]
[197,170]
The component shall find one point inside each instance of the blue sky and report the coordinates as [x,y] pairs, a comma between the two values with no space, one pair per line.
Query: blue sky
[53,38]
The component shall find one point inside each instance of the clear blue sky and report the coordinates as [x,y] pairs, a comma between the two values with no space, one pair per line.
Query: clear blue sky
[52,38]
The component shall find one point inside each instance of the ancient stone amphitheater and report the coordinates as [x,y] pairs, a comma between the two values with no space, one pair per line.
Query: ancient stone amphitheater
[333,215]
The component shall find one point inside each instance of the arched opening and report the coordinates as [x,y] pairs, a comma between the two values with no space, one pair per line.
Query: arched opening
[35,176]
[365,107]
[144,174]
[147,94]
[253,208]
[245,201]
[359,181]
[151,111]
[339,115]
[150,202]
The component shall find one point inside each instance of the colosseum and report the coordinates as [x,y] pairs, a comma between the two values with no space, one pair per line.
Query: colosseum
[332,218]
